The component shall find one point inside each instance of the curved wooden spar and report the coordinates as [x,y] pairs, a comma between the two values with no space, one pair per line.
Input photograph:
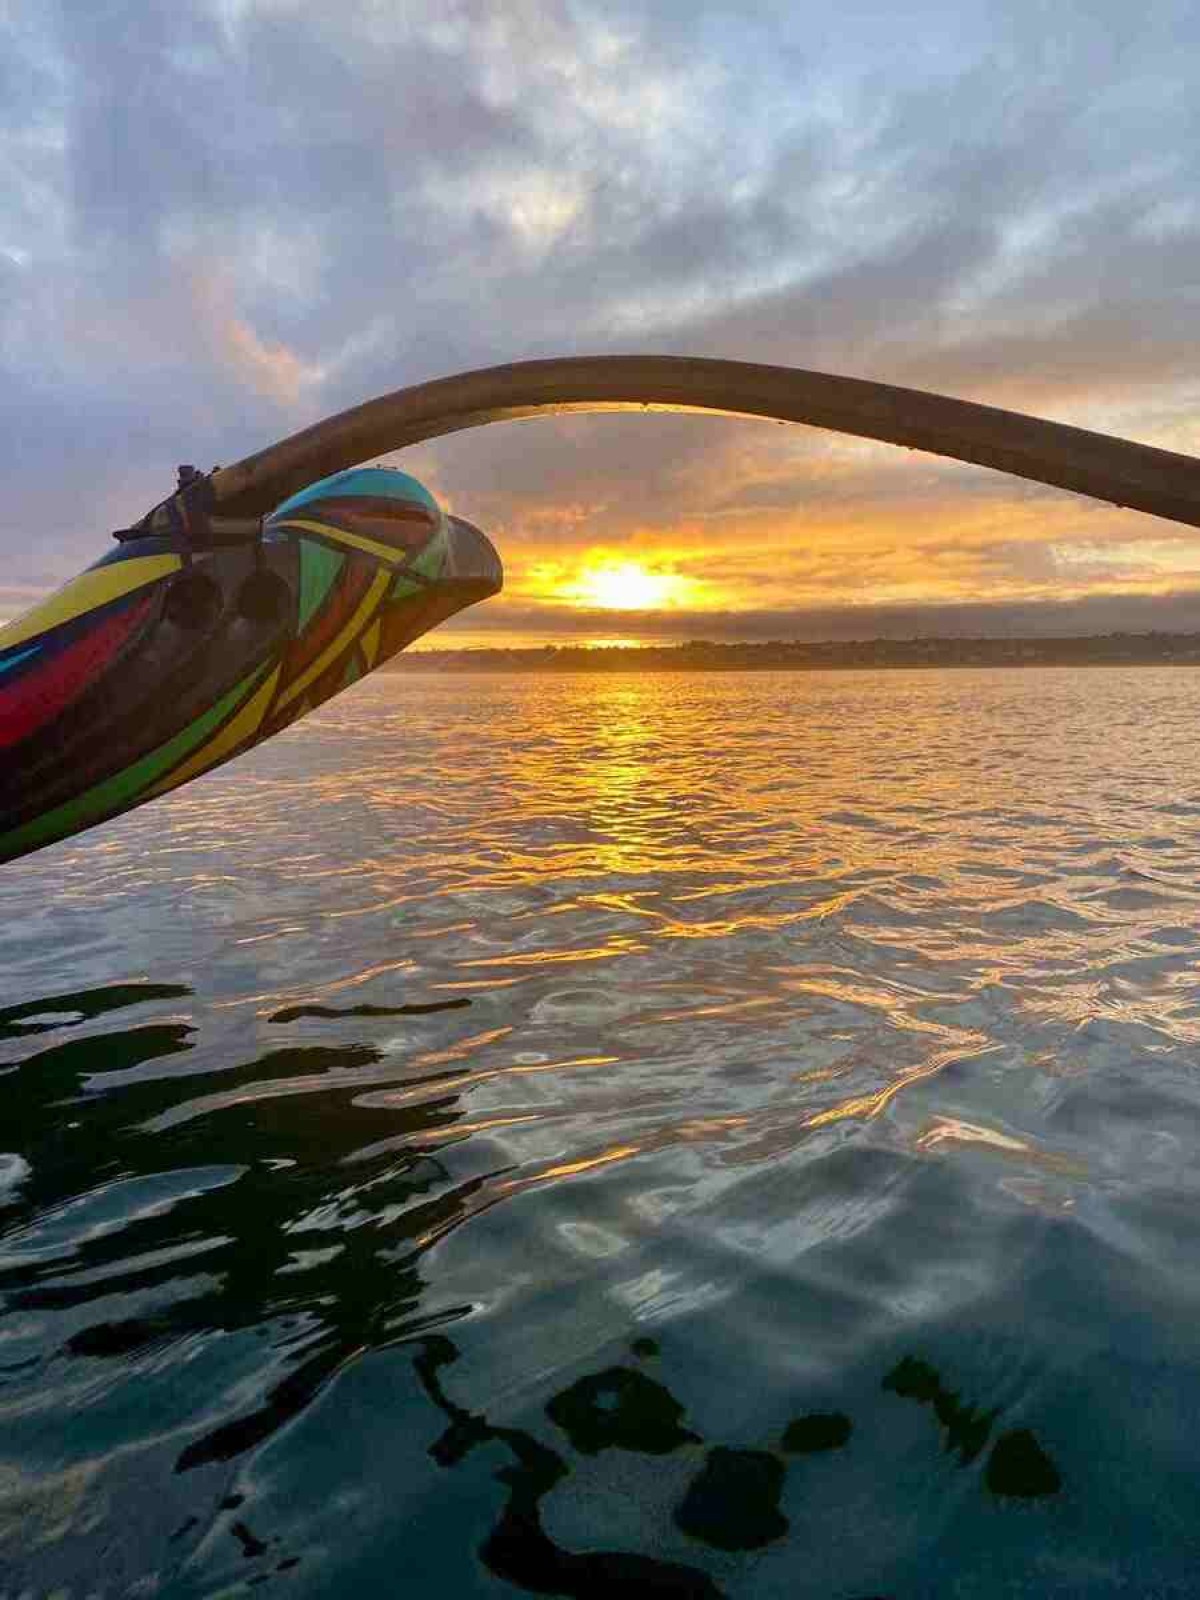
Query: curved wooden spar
[1158,481]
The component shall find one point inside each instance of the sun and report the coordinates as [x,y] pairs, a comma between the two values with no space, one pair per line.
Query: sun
[628,586]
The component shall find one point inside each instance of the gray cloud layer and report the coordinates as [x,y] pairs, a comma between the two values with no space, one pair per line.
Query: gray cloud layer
[1093,614]
[222,219]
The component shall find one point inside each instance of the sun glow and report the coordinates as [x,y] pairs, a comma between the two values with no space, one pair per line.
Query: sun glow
[624,586]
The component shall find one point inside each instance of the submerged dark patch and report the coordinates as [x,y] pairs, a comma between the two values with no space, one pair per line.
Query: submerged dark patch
[816,1432]
[620,1408]
[734,1502]
[1019,1467]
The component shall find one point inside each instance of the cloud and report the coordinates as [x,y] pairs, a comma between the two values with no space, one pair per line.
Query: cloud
[1119,611]
[223,219]
[270,369]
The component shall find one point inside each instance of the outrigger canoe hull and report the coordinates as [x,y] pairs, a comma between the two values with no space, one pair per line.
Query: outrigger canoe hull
[164,660]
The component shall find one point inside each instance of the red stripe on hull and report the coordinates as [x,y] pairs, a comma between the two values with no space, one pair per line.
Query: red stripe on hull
[43,690]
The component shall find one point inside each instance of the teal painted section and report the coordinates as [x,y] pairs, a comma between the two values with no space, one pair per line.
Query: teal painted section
[384,481]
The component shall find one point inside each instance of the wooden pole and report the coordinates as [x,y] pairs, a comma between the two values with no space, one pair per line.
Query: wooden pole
[1127,474]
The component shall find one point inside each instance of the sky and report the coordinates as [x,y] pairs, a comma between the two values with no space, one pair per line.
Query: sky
[221,220]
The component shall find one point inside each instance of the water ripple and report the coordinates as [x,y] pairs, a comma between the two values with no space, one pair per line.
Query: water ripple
[622,1132]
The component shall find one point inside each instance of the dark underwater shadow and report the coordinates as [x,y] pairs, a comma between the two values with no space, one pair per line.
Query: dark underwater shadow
[307,1237]
[313,1244]
[732,1501]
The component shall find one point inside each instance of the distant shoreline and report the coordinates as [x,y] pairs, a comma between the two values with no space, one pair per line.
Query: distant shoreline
[1089,650]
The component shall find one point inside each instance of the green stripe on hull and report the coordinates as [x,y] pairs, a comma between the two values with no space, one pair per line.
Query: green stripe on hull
[432,558]
[319,567]
[402,587]
[123,788]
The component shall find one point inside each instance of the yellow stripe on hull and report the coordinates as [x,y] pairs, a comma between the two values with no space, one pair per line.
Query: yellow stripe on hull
[96,587]
[355,541]
[235,732]
[370,642]
[379,587]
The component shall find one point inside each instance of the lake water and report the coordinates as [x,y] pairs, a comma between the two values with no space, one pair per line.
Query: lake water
[685,1134]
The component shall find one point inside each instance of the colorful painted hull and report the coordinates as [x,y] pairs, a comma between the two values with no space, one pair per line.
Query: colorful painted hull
[160,663]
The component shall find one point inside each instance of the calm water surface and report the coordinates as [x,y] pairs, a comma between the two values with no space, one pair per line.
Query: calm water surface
[700,1135]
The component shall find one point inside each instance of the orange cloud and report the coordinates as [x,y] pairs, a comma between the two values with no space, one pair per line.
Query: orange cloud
[270,369]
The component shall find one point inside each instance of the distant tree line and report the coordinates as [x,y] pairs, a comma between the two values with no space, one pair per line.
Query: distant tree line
[704,655]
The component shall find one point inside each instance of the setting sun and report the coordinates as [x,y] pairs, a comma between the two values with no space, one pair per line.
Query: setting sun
[627,586]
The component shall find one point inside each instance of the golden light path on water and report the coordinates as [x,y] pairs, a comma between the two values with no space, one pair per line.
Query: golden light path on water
[634,833]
